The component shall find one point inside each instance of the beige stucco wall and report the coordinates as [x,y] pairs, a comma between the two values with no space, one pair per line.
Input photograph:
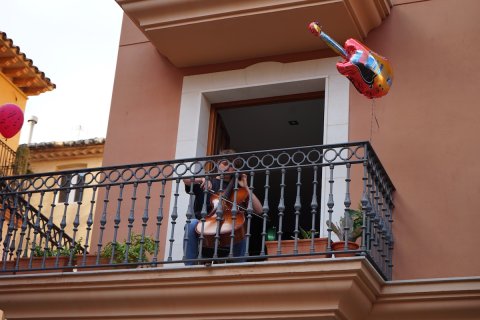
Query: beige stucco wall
[428,134]
[66,164]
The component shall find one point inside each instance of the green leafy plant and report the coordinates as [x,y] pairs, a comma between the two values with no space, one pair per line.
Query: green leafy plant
[39,251]
[354,223]
[307,234]
[21,163]
[135,249]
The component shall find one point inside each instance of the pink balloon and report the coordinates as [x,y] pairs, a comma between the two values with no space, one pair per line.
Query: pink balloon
[11,120]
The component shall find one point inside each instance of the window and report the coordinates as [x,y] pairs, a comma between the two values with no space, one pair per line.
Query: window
[71,181]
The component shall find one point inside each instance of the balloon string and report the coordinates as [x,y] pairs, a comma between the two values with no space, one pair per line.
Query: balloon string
[373,116]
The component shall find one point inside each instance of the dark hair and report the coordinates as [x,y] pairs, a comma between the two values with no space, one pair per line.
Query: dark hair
[236,163]
[227,151]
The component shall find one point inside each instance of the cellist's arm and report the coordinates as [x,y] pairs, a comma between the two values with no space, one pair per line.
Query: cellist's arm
[256,204]
[201,181]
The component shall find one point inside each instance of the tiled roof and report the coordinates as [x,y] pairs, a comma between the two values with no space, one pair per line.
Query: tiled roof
[60,144]
[20,70]
[54,151]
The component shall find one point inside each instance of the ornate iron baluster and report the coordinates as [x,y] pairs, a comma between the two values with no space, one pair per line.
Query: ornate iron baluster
[48,234]
[76,224]
[63,224]
[330,205]
[203,213]
[234,212]
[347,202]
[297,206]
[12,227]
[265,210]
[36,230]
[145,221]
[174,217]
[314,211]
[103,222]
[23,232]
[364,202]
[390,239]
[117,220]
[281,212]
[131,220]
[377,220]
[89,226]
[189,216]
[249,214]
[159,222]
[3,212]
[219,219]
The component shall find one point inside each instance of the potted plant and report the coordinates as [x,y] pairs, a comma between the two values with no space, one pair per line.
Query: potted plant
[304,243]
[39,253]
[137,251]
[350,229]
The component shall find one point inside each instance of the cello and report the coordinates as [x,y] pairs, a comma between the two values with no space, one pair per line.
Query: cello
[227,216]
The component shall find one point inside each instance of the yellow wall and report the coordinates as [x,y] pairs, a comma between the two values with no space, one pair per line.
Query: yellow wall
[9,93]
[71,210]
[65,164]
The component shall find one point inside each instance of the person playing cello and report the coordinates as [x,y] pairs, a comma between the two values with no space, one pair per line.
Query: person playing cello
[213,185]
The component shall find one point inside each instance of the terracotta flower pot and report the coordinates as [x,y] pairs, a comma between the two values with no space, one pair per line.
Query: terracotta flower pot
[340,246]
[37,263]
[303,247]
[91,260]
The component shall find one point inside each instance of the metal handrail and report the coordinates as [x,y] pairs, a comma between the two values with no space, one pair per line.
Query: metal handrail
[7,159]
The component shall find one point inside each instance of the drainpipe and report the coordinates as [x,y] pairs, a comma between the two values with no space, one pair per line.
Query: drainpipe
[33,121]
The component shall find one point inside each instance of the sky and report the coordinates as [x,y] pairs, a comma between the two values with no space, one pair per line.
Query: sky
[75,43]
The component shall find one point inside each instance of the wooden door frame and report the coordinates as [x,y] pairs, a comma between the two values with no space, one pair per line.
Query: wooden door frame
[214,107]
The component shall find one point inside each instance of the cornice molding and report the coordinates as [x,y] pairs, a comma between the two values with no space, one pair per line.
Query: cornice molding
[61,151]
[189,32]
[330,289]
[346,289]
[449,298]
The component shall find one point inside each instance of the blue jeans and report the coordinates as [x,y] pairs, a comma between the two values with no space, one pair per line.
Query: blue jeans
[191,251]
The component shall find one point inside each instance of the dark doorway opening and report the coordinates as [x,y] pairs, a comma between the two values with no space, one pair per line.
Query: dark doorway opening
[274,123]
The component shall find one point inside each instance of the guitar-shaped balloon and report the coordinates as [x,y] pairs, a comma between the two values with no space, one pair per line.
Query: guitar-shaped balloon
[370,73]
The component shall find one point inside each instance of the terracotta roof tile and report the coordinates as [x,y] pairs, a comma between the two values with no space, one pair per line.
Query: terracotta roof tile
[20,70]
[59,144]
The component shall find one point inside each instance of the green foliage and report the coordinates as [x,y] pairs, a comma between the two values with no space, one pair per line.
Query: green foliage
[133,249]
[22,160]
[39,251]
[354,223]
[307,234]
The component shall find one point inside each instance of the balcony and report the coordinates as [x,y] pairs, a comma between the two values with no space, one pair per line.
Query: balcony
[133,216]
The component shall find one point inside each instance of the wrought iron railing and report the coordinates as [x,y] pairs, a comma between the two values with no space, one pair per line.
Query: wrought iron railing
[27,221]
[7,159]
[136,215]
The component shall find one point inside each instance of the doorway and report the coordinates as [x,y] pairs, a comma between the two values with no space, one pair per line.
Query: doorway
[273,123]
